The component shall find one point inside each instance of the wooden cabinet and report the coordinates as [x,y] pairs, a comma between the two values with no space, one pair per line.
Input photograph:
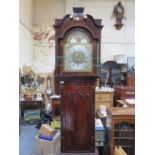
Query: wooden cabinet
[31,105]
[123,129]
[103,98]
[131,79]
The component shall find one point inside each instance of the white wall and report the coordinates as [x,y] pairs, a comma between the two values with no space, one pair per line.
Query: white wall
[45,12]
[113,41]
[25,46]
[25,33]
[25,12]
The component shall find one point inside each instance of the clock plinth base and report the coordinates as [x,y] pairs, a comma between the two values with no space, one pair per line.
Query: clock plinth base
[95,153]
[79,153]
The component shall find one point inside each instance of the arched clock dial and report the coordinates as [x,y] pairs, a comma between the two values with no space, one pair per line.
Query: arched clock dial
[78,52]
[78,58]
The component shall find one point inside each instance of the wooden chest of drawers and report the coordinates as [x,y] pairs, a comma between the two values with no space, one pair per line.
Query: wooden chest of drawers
[103,98]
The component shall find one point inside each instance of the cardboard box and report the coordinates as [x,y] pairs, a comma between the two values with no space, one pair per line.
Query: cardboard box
[47,130]
[119,151]
[100,134]
[45,147]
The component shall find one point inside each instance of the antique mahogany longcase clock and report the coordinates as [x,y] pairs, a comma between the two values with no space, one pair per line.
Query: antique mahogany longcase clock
[77,68]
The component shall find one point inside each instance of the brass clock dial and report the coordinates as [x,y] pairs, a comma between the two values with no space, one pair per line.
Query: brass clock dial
[78,58]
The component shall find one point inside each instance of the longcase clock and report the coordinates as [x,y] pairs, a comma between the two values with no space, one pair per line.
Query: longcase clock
[76,70]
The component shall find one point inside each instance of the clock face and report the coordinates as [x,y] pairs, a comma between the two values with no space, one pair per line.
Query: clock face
[78,53]
[78,58]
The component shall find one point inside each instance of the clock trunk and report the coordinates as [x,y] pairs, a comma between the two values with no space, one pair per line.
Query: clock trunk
[77,111]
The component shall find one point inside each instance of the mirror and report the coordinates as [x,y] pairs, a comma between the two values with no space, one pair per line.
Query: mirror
[131,64]
[110,74]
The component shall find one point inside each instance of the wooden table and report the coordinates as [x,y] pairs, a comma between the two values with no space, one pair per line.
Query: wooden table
[124,103]
[123,92]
